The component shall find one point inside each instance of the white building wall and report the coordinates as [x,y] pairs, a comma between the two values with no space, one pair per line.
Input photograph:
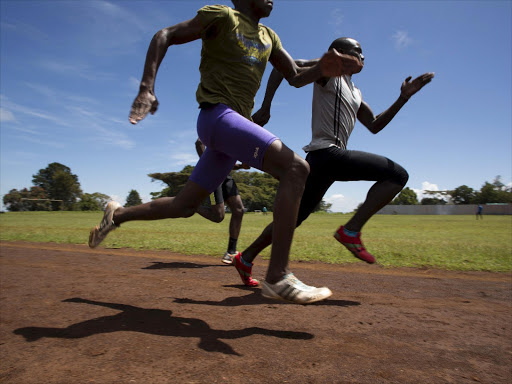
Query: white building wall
[448,209]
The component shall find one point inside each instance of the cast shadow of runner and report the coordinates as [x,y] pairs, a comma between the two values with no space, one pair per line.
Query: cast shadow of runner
[179,265]
[155,322]
[255,298]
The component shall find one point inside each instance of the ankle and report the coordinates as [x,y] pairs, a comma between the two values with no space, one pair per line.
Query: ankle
[273,278]
[349,232]
[245,262]
[247,258]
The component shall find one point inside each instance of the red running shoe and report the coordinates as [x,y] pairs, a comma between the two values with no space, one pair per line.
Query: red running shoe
[244,271]
[354,245]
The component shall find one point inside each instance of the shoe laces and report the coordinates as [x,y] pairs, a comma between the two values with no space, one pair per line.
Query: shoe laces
[292,280]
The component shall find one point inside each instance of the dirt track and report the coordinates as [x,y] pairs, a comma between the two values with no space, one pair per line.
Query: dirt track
[74,315]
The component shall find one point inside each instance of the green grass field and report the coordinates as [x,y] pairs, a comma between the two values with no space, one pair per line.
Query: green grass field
[435,241]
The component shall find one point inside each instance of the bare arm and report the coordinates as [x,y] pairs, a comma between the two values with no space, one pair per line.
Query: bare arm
[146,101]
[302,72]
[331,64]
[376,123]
[262,116]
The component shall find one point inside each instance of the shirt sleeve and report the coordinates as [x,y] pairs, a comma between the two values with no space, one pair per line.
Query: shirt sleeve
[276,42]
[212,17]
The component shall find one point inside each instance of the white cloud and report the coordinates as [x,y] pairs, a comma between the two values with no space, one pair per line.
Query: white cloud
[48,143]
[336,19]
[57,96]
[26,30]
[113,11]
[401,39]
[184,158]
[112,137]
[341,203]
[34,112]
[76,69]
[427,186]
[6,116]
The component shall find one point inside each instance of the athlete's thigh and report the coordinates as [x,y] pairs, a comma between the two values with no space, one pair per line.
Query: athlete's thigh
[229,188]
[211,169]
[226,131]
[317,185]
[191,195]
[349,165]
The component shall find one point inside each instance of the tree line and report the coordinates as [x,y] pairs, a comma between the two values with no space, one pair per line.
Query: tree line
[57,188]
[490,193]
[257,189]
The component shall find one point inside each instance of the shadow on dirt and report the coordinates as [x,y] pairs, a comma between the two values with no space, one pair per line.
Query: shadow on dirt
[255,298]
[155,322]
[179,265]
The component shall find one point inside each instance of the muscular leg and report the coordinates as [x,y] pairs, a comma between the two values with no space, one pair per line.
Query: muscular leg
[291,171]
[183,205]
[380,194]
[315,189]
[278,160]
[237,213]
[348,165]
[258,245]
[213,213]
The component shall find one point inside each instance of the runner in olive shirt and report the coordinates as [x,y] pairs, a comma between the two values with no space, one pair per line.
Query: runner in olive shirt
[235,50]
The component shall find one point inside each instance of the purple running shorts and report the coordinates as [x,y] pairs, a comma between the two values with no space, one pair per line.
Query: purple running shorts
[228,137]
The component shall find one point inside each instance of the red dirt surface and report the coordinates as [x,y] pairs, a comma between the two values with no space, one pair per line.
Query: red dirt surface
[70,314]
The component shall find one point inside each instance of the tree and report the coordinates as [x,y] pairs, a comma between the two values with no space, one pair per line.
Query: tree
[462,195]
[323,206]
[34,199]
[59,184]
[93,201]
[133,199]
[406,197]
[490,193]
[12,200]
[175,181]
[257,189]
[432,201]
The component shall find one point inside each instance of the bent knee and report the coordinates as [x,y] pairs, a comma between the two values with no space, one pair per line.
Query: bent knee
[237,211]
[402,177]
[188,211]
[218,217]
[299,169]
[398,175]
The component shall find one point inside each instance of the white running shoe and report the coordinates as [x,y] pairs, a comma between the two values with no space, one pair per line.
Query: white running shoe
[228,257]
[107,224]
[292,289]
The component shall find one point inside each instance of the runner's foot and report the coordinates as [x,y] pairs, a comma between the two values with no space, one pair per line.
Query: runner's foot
[106,225]
[292,289]
[245,271]
[228,258]
[354,245]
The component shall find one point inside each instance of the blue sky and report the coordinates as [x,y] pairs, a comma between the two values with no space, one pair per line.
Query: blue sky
[69,71]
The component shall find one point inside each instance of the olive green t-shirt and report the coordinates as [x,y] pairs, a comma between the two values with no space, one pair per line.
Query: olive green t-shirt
[234,55]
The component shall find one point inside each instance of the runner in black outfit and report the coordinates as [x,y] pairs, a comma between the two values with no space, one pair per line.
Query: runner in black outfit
[337,103]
